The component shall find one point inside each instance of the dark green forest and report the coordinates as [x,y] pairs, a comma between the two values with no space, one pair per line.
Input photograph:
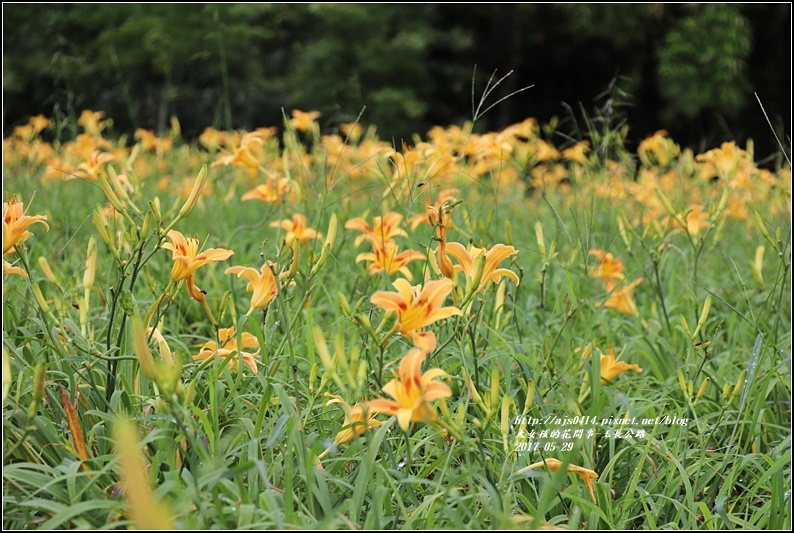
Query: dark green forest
[691,69]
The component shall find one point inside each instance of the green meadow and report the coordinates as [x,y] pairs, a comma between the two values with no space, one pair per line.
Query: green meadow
[306,327]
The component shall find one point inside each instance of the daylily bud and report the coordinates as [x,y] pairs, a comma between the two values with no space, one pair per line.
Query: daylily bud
[363,321]
[141,347]
[494,399]
[191,201]
[322,350]
[133,156]
[344,304]
[461,414]
[738,387]
[723,201]
[474,394]
[296,254]
[682,381]
[111,196]
[46,270]
[313,376]
[361,378]
[726,391]
[540,239]
[762,227]
[685,325]
[667,205]
[702,390]
[154,206]
[39,376]
[704,315]
[442,404]
[90,266]
[498,303]
[40,298]
[758,265]
[104,234]
[504,422]
[6,375]
[329,243]
[622,229]
[147,225]
[118,188]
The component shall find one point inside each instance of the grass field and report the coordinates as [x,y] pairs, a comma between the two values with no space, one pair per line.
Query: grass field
[283,329]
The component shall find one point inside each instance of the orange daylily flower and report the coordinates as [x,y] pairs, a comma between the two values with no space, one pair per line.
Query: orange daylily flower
[228,339]
[385,257]
[621,297]
[302,121]
[696,221]
[412,392]
[441,218]
[356,422]
[446,196]
[296,229]
[187,259]
[576,153]
[611,368]
[658,150]
[262,283]
[384,228]
[16,224]
[469,258]
[92,122]
[585,474]
[245,155]
[92,166]
[273,191]
[417,307]
[8,268]
[608,266]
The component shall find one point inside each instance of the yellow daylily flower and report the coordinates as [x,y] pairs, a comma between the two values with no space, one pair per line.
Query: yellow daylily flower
[696,220]
[385,257]
[412,392]
[8,268]
[296,229]
[468,260]
[417,307]
[610,367]
[273,191]
[621,297]
[261,283]
[608,266]
[585,474]
[187,259]
[16,224]
[229,341]
[576,153]
[446,196]
[302,120]
[356,422]
[384,228]
[246,155]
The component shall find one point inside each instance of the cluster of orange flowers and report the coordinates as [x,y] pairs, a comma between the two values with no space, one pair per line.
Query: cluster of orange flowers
[609,269]
[15,231]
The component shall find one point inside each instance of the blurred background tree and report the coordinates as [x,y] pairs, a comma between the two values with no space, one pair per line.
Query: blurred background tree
[688,68]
